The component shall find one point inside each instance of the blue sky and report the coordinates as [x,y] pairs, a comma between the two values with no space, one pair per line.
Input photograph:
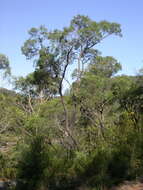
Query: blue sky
[18,16]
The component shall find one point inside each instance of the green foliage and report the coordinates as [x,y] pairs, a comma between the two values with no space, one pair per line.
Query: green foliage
[4,62]
[32,164]
[4,65]
[104,66]
[89,138]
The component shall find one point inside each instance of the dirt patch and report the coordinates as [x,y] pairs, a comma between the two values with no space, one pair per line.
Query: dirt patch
[129,186]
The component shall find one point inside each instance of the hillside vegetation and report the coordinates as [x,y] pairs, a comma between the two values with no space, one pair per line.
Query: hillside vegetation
[87,137]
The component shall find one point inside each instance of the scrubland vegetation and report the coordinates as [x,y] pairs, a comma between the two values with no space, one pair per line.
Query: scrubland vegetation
[88,137]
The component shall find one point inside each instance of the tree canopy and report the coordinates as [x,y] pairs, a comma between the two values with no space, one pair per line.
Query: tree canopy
[88,137]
